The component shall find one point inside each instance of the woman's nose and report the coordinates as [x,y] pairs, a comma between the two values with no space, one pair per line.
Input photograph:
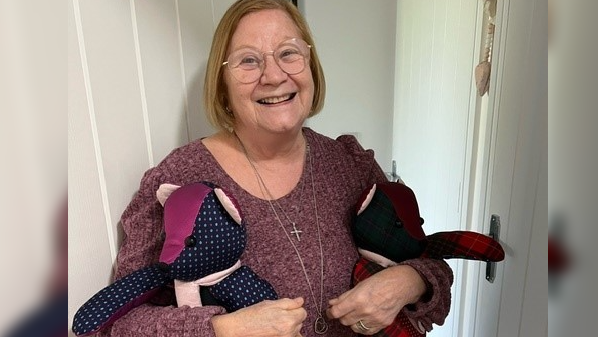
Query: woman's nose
[272,73]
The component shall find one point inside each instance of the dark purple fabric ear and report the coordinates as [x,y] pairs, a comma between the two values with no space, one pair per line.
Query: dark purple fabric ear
[463,245]
[405,205]
[117,299]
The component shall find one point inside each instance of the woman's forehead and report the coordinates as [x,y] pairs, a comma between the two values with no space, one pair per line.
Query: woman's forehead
[264,30]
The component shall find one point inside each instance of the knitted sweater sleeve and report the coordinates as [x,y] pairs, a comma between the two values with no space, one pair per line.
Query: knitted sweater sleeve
[142,226]
[434,306]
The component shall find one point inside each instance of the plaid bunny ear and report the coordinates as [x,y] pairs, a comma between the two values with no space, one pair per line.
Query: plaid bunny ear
[463,245]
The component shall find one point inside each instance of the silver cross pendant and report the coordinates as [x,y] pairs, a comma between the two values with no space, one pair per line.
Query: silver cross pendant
[296,231]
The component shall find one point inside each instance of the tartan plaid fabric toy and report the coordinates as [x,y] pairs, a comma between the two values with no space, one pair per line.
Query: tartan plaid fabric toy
[388,230]
[205,237]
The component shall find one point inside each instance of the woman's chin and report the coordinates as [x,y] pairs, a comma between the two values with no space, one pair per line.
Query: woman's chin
[282,123]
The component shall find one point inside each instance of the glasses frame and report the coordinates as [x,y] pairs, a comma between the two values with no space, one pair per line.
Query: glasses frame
[306,59]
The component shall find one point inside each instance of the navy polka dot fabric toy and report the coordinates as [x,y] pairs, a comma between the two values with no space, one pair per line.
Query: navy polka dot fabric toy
[205,237]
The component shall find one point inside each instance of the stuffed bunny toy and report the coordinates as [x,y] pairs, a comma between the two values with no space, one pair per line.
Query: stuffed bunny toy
[388,229]
[205,237]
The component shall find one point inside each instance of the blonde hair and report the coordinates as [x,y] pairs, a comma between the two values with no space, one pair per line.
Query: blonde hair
[215,91]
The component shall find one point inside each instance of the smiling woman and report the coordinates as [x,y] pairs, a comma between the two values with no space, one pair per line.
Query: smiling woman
[263,80]
[136,73]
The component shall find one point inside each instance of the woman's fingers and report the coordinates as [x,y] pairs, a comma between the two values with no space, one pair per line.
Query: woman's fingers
[277,318]
[348,308]
[291,303]
[341,306]
[290,316]
[365,328]
[370,306]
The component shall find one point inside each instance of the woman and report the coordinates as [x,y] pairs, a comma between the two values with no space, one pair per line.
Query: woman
[296,189]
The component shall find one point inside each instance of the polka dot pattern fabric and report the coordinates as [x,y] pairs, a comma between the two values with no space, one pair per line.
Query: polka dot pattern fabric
[215,244]
[241,289]
[112,302]
[219,243]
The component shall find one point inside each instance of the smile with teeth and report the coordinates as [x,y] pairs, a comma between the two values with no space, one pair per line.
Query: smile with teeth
[274,100]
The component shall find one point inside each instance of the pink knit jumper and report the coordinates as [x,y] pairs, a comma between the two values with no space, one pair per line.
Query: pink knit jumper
[342,169]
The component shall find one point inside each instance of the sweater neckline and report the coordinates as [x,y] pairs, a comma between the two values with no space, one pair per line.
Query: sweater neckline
[237,189]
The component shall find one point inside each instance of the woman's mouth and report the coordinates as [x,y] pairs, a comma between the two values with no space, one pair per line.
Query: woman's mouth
[278,99]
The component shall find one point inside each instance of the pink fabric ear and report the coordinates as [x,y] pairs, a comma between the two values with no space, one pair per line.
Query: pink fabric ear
[229,205]
[367,199]
[165,191]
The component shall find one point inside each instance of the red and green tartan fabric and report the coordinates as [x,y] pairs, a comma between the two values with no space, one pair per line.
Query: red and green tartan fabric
[389,225]
[401,326]
[463,245]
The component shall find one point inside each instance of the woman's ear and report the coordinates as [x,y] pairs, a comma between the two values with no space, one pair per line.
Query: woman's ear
[365,199]
[117,299]
[230,204]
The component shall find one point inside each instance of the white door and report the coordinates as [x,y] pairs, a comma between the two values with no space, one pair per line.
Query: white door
[464,166]
[511,180]
[435,108]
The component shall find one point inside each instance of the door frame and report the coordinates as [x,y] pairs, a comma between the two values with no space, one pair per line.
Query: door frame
[483,153]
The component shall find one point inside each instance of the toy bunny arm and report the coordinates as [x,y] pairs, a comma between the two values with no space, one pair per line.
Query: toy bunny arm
[117,299]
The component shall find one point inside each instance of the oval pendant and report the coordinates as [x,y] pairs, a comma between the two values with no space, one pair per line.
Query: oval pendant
[320,326]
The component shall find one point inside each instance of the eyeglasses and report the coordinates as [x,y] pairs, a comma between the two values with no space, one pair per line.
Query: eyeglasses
[247,64]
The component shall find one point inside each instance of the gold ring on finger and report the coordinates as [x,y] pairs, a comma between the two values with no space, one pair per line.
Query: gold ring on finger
[361,326]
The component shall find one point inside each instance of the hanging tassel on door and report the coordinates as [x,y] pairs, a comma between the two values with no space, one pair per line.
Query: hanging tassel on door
[482,70]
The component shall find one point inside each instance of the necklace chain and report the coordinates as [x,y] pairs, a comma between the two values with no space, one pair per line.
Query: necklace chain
[296,231]
[320,325]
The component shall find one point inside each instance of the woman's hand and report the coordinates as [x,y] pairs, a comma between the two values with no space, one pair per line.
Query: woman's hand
[279,318]
[373,304]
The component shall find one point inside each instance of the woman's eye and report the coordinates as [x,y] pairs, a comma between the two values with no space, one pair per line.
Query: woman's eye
[289,54]
[249,60]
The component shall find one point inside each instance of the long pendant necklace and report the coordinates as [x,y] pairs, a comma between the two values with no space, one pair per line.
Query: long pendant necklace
[320,325]
[296,231]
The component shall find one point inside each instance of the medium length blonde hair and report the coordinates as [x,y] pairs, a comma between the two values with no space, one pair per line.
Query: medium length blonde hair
[215,92]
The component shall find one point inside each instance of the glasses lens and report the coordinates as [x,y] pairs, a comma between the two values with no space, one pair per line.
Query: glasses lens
[247,64]
[291,56]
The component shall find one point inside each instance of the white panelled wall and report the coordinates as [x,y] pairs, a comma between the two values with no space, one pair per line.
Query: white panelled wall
[136,70]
